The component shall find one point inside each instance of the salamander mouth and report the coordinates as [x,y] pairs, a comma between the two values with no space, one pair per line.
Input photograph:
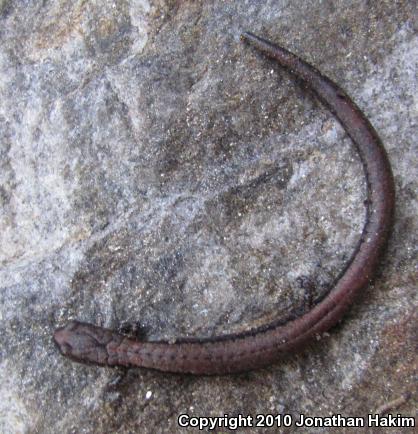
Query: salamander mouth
[61,341]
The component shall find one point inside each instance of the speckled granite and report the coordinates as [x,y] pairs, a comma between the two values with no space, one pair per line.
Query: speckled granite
[161,177]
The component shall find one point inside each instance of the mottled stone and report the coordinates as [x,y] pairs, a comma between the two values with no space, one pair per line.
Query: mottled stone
[160,177]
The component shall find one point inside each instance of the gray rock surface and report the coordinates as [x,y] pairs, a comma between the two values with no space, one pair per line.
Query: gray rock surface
[158,175]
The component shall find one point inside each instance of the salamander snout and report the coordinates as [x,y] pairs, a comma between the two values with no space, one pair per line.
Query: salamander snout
[83,342]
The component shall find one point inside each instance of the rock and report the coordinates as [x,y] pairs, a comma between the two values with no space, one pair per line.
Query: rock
[160,177]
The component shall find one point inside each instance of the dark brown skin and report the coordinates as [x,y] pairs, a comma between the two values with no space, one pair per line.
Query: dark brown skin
[260,347]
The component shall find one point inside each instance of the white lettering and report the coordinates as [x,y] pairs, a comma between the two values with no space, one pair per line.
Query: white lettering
[391,421]
[183,420]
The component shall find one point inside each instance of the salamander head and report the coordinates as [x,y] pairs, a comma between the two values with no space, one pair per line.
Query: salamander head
[83,342]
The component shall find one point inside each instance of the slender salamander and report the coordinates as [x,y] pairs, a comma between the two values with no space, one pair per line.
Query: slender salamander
[256,348]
